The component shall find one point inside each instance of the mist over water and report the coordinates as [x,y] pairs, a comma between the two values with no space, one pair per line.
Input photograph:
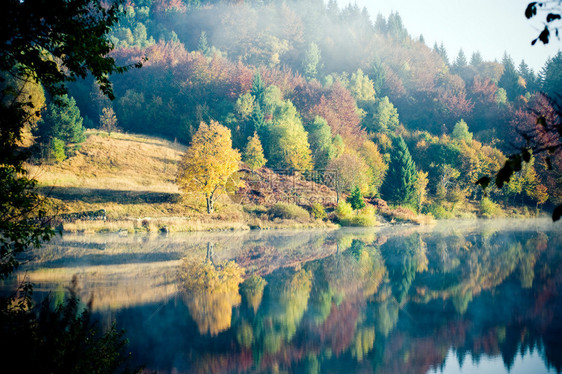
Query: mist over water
[462,296]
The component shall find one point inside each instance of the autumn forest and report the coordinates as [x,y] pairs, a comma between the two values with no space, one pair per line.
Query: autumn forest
[307,86]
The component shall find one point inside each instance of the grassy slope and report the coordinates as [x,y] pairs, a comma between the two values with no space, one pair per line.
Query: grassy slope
[120,162]
[132,177]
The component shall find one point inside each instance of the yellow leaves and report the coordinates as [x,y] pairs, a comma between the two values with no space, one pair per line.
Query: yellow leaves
[209,161]
[211,292]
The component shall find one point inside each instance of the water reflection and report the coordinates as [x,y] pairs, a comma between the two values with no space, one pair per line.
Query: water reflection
[406,299]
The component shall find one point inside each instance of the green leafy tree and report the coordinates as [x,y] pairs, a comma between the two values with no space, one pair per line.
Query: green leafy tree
[460,132]
[356,199]
[73,33]
[385,117]
[54,150]
[361,87]
[284,139]
[311,61]
[245,105]
[400,183]
[321,144]
[253,153]
[47,42]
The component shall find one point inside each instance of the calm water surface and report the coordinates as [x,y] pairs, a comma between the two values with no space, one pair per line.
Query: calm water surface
[460,297]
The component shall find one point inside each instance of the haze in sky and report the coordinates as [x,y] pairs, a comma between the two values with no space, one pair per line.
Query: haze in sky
[489,26]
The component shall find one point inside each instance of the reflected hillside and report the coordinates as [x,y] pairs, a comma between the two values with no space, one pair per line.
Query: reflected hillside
[402,299]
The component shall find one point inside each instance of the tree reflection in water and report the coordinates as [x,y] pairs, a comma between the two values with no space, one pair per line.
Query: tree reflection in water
[395,300]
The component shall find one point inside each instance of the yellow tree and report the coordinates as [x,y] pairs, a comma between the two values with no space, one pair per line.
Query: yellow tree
[208,162]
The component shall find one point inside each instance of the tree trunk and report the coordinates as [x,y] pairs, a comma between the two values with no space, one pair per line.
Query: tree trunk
[210,204]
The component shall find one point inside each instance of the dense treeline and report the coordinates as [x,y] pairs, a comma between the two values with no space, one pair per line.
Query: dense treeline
[323,87]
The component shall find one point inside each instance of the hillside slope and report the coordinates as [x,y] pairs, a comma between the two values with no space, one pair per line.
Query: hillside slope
[132,178]
[120,162]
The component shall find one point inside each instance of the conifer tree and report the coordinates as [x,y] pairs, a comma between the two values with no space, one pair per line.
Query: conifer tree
[257,118]
[356,199]
[552,76]
[60,125]
[400,183]
[460,61]
[258,87]
[203,45]
[253,153]
[476,59]
[510,79]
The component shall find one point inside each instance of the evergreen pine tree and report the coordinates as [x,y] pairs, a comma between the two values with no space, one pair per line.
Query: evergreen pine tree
[257,119]
[476,59]
[528,75]
[356,199]
[380,24]
[203,45]
[441,51]
[258,88]
[400,183]
[509,80]
[460,61]
[61,121]
[552,76]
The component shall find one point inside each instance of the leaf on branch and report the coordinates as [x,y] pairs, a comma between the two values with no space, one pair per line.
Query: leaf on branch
[526,155]
[484,182]
[544,35]
[531,10]
[557,213]
[506,172]
[552,17]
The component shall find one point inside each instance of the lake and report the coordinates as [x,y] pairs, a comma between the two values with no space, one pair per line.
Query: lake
[458,297]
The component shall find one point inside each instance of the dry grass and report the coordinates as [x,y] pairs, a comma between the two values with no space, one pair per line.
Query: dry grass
[120,162]
[132,177]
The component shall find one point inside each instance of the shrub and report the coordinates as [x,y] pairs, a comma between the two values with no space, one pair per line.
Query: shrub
[343,210]
[438,211]
[55,151]
[288,211]
[489,209]
[318,211]
[365,218]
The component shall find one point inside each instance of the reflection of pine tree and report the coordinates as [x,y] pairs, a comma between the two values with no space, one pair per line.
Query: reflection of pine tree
[402,262]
